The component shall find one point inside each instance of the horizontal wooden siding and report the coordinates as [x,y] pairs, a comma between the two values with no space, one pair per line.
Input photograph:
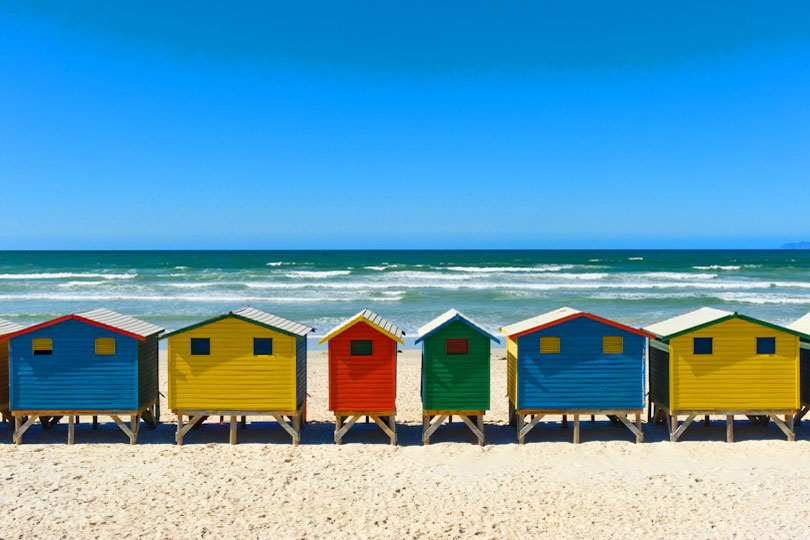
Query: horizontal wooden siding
[362,383]
[231,377]
[734,377]
[147,371]
[74,377]
[581,376]
[456,381]
[659,376]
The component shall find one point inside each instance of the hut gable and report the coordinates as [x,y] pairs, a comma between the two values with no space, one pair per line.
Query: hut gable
[596,365]
[369,318]
[254,361]
[447,318]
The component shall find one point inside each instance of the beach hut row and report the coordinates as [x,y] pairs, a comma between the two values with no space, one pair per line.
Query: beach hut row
[565,363]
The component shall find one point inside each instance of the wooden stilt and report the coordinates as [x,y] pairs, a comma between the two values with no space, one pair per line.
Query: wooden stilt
[576,429]
[95,422]
[71,422]
[297,424]
[565,421]
[680,429]
[481,429]
[233,430]
[593,418]
[786,426]
[133,430]
[183,429]
[706,421]
[640,434]
[425,426]
[525,428]
[392,423]
[338,428]
[729,428]
[21,427]
[244,422]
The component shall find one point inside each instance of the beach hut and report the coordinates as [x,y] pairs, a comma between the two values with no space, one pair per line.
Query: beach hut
[455,372]
[6,327]
[363,372]
[715,362]
[803,325]
[243,363]
[568,362]
[97,363]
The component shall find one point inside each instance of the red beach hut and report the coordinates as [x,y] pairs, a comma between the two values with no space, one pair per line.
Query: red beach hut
[363,372]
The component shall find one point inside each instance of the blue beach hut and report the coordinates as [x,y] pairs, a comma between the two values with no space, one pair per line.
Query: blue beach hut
[97,363]
[568,362]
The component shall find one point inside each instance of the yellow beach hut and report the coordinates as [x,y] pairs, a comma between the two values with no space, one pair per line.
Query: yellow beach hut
[243,363]
[715,362]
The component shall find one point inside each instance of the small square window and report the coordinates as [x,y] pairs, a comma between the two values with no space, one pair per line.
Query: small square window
[361,347]
[766,345]
[612,345]
[457,346]
[549,345]
[703,345]
[200,346]
[42,346]
[105,346]
[262,346]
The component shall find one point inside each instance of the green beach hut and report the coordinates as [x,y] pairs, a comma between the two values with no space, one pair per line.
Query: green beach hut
[455,372]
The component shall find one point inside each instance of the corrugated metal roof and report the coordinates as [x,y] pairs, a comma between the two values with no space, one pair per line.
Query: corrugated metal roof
[7,327]
[801,325]
[687,321]
[446,318]
[539,320]
[280,323]
[121,322]
[371,317]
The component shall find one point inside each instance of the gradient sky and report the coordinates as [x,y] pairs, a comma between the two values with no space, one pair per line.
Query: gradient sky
[404,124]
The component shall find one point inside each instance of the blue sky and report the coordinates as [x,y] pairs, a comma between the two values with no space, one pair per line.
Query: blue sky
[404,125]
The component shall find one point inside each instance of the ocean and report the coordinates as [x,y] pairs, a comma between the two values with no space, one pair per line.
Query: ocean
[321,288]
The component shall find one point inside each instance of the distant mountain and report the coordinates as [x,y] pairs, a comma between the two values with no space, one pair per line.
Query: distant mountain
[796,245]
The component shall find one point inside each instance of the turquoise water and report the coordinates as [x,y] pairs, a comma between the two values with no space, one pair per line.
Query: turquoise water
[177,288]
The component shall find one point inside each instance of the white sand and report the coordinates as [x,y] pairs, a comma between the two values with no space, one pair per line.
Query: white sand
[607,487]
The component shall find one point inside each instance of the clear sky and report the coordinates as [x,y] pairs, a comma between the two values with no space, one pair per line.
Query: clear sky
[404,124]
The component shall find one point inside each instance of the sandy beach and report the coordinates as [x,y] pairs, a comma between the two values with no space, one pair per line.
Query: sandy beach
[607,487]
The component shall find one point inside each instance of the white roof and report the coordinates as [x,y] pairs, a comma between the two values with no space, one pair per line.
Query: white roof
[7,327]
[802,325]
[446,318]
[539,320]
[686,321]
[121,322]
[275,321]
[370,316]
